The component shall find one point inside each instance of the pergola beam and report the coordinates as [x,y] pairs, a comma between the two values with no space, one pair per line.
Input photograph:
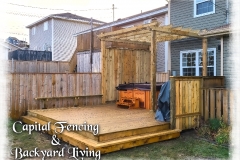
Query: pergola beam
[176,31]
[125,41]
[123,31]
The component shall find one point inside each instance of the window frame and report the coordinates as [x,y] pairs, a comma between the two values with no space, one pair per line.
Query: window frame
[34,30]
[45,26]
[197,66]
[203,14]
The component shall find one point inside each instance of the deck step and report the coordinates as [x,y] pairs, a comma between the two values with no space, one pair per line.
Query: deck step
[82,142]
[106,136]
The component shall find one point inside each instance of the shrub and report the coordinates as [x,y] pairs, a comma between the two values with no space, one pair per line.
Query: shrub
[214,124]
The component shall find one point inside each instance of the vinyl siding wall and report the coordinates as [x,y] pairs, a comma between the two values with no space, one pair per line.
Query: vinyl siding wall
[64,41]
[41,37]
[193,44]
[182,14]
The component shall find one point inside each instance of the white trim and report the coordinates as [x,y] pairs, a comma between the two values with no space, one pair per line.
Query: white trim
[52,47]
[204,14]
[166,43]
[197,62]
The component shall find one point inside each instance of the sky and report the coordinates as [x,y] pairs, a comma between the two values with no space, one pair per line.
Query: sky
[19,14]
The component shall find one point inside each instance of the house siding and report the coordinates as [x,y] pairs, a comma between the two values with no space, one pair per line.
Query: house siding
[227,62]
[41,37]
[64,41]
[182,14]
[193,44]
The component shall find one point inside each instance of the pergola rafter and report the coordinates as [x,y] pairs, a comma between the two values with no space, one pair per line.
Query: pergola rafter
[150,34]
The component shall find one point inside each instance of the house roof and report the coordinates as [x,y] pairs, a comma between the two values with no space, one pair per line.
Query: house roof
[66,16]
[144,15]
[220,30]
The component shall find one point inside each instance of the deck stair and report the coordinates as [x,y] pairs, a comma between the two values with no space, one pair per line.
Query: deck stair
[118,128]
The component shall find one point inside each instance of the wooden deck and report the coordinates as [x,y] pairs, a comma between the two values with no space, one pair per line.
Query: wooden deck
[118,128]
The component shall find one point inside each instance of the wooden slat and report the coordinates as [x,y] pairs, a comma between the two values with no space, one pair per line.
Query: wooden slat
[212,103]
[206,104]
[204,57]
[225,106]
[218,104]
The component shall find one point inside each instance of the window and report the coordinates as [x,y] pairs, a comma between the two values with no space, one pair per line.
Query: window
[191,62]
[203,7]
[33,30]
[147,21]
[45,26]
[130,26]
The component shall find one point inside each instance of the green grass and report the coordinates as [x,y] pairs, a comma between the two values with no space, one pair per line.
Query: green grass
[181,148]
[187,146]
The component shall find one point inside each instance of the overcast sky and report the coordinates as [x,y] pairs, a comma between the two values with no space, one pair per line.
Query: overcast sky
[19,14]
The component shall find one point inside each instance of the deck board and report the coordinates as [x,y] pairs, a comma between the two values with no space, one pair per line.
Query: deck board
[109,118]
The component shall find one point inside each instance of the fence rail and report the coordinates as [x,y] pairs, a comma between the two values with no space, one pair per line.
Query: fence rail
[216,102]
[37,91]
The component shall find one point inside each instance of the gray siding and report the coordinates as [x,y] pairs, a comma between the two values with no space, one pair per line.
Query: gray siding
[41,37]
[227,63]
[182,14]
[161,57]
[64,41]
[193,44]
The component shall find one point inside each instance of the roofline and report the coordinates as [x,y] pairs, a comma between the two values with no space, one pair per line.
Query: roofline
[127,20]
[13,45]
[59,17]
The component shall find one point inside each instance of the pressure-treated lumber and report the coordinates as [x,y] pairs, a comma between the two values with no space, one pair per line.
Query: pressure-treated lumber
[103,70]
[204,57]
[153,70]
[114,134]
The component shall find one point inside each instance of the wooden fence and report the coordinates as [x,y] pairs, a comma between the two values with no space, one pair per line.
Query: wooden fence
[216,103]
[162,76]
[37,91]
[186,99]
[37,67]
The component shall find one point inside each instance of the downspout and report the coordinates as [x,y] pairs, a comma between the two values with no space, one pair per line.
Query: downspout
[91,45]
[52,41]
[227,12]
[222,56]
[169,43]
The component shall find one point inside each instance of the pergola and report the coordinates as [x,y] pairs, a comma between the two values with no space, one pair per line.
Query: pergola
[150,34]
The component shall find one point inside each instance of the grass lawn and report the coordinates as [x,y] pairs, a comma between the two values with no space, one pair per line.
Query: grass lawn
[188,146]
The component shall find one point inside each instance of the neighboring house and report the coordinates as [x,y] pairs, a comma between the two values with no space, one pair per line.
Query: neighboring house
[7,47]
[17,42]
[55,33]
[12,47]
[4,51]
[160,14]
[211,17]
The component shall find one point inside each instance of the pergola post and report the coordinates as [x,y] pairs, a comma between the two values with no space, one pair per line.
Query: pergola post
[103,70]
[153,70]
[204,57]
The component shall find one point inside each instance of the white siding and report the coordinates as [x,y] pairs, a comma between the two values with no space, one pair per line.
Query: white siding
[41,38]
[64,41]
